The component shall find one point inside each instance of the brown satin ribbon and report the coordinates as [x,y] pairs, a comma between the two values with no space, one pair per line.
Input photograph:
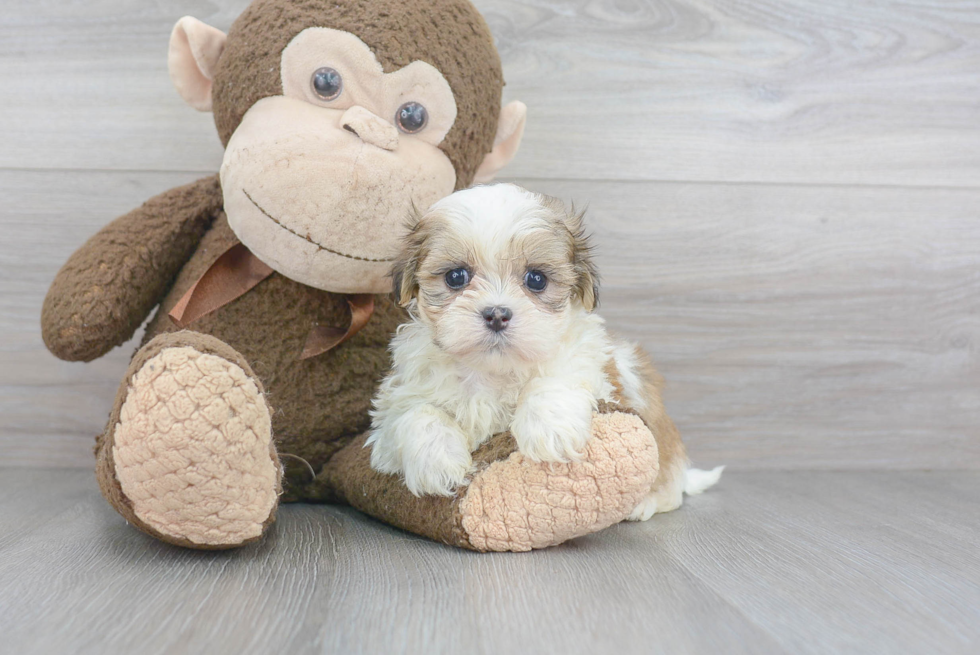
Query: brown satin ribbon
[236,272]
[323,338]
[233,274]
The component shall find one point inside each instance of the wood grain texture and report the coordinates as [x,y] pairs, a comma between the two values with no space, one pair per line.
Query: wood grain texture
[797,326]
[800,326]
[804,91]
[767,562]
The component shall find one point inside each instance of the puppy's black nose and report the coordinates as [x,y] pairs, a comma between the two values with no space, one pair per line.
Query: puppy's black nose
[497,318]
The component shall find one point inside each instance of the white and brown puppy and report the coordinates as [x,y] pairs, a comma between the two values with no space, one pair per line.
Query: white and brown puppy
[501,289]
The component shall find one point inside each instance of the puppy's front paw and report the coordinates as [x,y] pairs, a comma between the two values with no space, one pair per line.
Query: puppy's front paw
[553,425]
[438,466]
[426,447]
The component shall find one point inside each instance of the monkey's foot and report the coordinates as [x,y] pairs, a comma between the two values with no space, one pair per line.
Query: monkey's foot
[513,503]
[188,455]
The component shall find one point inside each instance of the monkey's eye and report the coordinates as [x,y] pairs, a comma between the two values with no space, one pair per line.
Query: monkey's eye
[535,281]
[457,278]
[327,83]
[411,117]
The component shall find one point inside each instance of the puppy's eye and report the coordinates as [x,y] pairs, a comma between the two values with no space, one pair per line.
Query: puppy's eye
[457,278]
[535,281]
[327,83]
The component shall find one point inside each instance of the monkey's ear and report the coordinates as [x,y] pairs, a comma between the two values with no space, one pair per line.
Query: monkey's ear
[193,57]
[510,130]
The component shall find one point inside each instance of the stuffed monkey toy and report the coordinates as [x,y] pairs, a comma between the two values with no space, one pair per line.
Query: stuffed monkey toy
[271,288]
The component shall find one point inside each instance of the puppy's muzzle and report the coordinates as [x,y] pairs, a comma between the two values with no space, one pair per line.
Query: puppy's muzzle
[497,318]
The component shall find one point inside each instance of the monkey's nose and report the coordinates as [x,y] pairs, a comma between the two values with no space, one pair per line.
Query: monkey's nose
[497,318]
[370,128]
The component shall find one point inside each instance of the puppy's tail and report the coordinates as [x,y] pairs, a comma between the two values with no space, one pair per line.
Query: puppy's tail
[697,480]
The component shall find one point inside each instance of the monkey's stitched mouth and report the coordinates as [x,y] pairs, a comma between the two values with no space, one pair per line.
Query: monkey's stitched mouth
[308,239]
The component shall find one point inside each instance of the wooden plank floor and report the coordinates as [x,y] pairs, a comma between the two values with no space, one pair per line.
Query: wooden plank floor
[767,562]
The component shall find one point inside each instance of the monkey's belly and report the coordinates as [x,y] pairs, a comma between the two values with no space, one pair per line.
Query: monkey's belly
[317,404]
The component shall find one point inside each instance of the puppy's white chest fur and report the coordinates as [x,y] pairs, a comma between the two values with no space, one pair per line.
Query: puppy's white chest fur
[485,398]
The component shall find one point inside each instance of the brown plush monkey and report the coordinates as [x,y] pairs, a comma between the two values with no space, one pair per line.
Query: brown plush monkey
[270,335]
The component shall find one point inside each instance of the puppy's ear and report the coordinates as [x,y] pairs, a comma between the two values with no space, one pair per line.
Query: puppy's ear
[404,272]
[586,273]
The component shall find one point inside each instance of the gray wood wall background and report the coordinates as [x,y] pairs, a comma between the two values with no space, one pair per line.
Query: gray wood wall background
[785,194]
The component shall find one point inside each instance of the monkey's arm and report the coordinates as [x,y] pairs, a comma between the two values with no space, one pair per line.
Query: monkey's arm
[110,285]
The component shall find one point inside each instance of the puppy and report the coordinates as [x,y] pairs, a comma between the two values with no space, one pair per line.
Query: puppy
[500,286]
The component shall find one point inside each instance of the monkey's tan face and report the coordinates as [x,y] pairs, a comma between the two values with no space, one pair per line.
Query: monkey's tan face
[317,182]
